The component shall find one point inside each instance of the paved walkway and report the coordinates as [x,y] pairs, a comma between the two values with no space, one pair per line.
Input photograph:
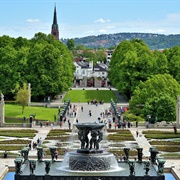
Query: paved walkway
[84,117]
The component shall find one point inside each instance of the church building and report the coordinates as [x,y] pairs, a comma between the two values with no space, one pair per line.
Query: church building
[55,29]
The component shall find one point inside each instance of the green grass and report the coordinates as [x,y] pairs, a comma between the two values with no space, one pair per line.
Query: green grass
[42,113]
[85,95]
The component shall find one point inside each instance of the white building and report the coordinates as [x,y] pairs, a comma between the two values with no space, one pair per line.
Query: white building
[87,75]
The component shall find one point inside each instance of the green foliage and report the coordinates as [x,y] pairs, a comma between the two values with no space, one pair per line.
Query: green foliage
[131,63]
[10,148]
[168,148]
[154,134]
[23,96]
[15,141]
[133,117]
[120,135]
[70,44]
[42,61]
[18,133]
[154,95]
[168,143]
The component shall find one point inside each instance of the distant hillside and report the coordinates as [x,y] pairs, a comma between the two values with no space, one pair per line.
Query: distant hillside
[154,41]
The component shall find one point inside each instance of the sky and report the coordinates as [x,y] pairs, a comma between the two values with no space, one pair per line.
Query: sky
[81,18]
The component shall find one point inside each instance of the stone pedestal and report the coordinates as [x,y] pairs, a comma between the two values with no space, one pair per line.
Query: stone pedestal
[178,111]
[2,110]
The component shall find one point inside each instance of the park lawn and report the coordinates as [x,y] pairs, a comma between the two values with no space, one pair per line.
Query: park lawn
[42,113]
[88,95]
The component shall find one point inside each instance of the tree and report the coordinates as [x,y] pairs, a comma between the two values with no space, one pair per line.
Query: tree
[153,92]
[50,68]
[22,97]
[173,57]
[131,62]
[70,44]
[161,108]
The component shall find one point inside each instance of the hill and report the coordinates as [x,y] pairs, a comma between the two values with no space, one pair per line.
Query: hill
[154,41]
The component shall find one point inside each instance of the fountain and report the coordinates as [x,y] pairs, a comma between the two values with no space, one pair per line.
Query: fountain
[89,162]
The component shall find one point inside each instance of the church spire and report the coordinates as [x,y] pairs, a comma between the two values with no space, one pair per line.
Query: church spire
[55,29]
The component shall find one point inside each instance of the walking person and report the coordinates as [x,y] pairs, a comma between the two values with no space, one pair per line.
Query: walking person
[81,108]
[60,124]
[51,125]
[136,124]
[137,133]
[90,114]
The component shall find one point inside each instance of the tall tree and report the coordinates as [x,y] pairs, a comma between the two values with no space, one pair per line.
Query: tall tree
[154,90]
[22,97]
[70,44]
[131,62]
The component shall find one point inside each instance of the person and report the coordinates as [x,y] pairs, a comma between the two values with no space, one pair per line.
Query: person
[136,123]
[69,124]
[115,125]
[175,129]
[51,125]
[137,133]
[56,154]
[60,124]
[82,108]
[5,154]
[40,124]
[90,113]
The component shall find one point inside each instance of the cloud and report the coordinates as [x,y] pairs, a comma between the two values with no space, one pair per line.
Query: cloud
[100,20]
[32,20]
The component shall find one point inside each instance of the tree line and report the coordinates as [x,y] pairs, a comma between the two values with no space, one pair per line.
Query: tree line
[42,61]
[149,79]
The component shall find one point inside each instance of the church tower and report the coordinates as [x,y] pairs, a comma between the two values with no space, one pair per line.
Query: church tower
[55,29]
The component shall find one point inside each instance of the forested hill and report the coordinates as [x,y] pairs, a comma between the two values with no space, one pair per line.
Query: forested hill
[154,41]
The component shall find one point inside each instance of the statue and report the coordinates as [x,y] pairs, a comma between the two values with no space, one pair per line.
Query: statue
[81,138]
[140,154]
[18,164]
[100,137]
[24,153]
[146,167]
[40,153]
[32,165]
[47,168]
[161,163]
[126,151]
[85,137]
[131,167]
[53,152]
[153,155]
[93,140]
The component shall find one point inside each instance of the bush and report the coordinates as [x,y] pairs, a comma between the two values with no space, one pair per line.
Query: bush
[133,117]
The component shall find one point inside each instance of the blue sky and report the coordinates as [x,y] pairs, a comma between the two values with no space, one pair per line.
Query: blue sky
[80,18]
